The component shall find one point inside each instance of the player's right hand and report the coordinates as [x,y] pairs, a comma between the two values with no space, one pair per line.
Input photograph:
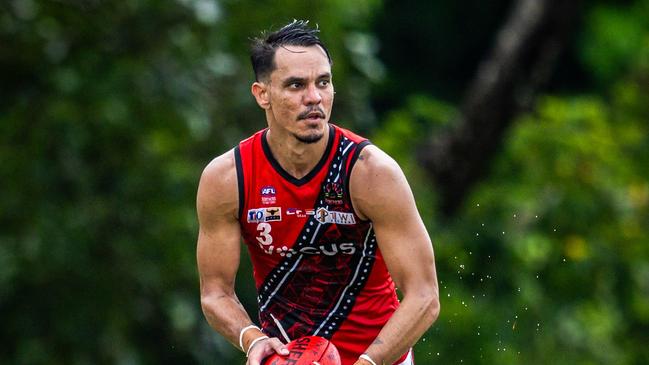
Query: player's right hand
[265,348]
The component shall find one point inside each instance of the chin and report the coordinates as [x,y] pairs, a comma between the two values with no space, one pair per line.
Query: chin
[315,130]
[309,138]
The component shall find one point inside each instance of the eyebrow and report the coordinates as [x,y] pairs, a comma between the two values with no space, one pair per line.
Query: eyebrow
[294,79]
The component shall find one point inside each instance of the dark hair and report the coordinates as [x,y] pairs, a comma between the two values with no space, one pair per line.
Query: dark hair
[296,33]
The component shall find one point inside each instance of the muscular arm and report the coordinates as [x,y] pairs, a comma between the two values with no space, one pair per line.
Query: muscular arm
[381,194]
[218,248]
[218,253]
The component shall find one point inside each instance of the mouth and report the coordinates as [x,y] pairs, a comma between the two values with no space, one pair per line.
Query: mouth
[315,116]
[311,115]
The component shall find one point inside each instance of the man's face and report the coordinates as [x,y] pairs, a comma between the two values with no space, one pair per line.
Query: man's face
[301,92]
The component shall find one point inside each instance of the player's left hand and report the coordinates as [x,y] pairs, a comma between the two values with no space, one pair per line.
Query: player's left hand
[362,362]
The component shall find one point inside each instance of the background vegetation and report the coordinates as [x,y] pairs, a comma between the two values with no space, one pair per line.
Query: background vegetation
[110,109]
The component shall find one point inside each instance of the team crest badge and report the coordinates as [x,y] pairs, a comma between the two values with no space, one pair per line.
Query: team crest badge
[333,193]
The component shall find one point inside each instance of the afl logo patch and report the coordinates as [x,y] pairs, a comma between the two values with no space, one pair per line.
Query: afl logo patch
[268,195]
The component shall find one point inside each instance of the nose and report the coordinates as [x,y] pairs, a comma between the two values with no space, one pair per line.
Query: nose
[312,95]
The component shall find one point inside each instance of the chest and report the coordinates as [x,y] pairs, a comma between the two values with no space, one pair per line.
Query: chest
[277,212]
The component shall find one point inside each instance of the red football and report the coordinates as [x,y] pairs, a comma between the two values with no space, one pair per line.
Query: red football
[308,350]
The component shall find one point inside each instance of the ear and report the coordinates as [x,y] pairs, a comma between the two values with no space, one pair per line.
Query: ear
[261,93]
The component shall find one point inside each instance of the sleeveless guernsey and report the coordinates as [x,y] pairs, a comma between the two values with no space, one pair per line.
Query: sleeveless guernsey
[317,266]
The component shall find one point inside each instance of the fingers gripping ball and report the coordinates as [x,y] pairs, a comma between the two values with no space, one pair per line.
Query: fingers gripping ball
[308,350]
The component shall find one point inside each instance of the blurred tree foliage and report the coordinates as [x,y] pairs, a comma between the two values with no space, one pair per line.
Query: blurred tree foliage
[110,109]
[547,261]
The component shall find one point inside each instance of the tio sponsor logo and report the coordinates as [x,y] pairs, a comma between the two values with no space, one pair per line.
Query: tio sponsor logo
[261,215]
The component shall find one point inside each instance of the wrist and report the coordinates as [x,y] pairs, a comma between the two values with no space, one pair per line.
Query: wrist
[247,335]
[367,359]
[255,342]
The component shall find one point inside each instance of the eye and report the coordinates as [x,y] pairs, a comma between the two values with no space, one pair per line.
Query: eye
[295,85]
[324,83]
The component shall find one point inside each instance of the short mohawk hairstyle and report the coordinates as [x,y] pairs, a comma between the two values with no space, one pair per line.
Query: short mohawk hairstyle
[296,33]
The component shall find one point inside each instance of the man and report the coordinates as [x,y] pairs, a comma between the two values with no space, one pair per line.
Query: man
[325,216]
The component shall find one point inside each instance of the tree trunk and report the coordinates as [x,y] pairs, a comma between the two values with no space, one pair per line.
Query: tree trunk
[522,60]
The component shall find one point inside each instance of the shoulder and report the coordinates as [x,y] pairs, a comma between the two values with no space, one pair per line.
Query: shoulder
[375,179]
[218,186]
[223,164]
[350,135]
[372,162]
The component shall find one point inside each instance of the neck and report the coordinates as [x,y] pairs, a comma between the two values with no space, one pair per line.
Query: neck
[295,157]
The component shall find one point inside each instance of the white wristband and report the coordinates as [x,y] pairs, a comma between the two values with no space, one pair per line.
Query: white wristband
[243,330]
[367,358]
[254,342]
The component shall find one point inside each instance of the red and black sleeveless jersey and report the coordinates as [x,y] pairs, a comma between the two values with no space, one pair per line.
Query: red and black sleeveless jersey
[317,267]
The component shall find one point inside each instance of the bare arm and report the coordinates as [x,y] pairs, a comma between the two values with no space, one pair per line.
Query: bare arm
[381,194]
[218,253]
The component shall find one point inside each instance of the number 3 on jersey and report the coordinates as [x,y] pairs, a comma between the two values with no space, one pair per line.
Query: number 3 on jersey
[264,236]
